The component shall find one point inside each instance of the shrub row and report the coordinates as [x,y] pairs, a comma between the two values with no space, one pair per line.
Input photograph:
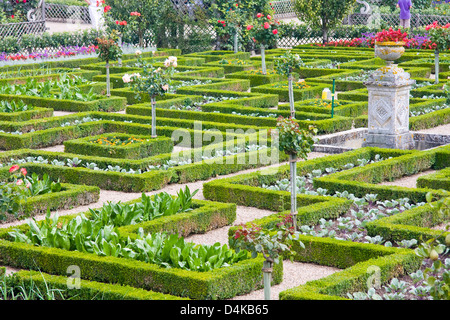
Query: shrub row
[69,196]
[135,150]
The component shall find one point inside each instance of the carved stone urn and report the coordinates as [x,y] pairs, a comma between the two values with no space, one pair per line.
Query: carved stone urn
[389,51]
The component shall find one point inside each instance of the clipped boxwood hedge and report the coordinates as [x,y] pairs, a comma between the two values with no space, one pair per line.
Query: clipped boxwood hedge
[70,196]
[87,290]
[135,150]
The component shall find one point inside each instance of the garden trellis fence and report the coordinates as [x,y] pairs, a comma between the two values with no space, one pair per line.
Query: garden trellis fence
[64,13]
[377,20]
[21,28]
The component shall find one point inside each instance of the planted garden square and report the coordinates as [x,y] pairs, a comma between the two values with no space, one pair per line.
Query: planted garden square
[115,145]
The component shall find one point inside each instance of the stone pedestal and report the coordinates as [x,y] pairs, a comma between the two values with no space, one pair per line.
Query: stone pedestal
[388,112]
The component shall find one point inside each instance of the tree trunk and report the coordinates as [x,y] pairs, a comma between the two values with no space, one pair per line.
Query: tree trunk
[267,277]
[293,187]
[263,60]
[324,32]
[153,102]
[436,66]
[120,45]
[108,83]
[291,95]
[141,38]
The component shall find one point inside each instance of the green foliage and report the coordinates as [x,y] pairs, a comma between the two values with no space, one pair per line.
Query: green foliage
[437,277]
[323,14]
[153,81]
[162,204]
[174,251]
[253,238]
[98,234]
[65,88]
[13,106]
[108,49]
[293,140]
[287,63]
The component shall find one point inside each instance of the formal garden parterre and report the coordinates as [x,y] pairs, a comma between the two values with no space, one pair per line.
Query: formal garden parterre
[209,123]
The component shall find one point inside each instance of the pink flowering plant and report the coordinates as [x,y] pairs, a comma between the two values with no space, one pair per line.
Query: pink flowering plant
[19,186]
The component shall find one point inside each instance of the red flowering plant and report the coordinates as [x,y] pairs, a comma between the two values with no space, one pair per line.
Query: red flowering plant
[264,31]
[271,243]
[108,50]
[138,24]
[18,9]
[439,35]
[391,36]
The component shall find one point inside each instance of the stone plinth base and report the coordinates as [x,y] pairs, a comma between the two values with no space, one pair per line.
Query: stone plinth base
[402,141]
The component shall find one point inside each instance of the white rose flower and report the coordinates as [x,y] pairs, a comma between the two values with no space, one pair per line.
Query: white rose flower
[138,52]
[126,78]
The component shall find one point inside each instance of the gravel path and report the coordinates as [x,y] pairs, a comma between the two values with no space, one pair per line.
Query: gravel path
[408,182]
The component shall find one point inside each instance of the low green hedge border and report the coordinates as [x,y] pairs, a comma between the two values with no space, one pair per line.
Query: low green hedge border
[205,216]
[315,91]
[415,223]
[153,179]
[70,196]
[245,189]
[87,290]
[136,150]
[30,114]
[354,278]
[437,180]
[107,104]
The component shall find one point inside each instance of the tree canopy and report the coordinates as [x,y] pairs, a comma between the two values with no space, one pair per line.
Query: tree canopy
[323,14]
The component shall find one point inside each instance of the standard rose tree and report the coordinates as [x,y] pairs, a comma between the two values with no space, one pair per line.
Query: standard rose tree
[264,32]
[297,143]
[285,65]
[108,50]
[439,35]
[152,82]
[272,244]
